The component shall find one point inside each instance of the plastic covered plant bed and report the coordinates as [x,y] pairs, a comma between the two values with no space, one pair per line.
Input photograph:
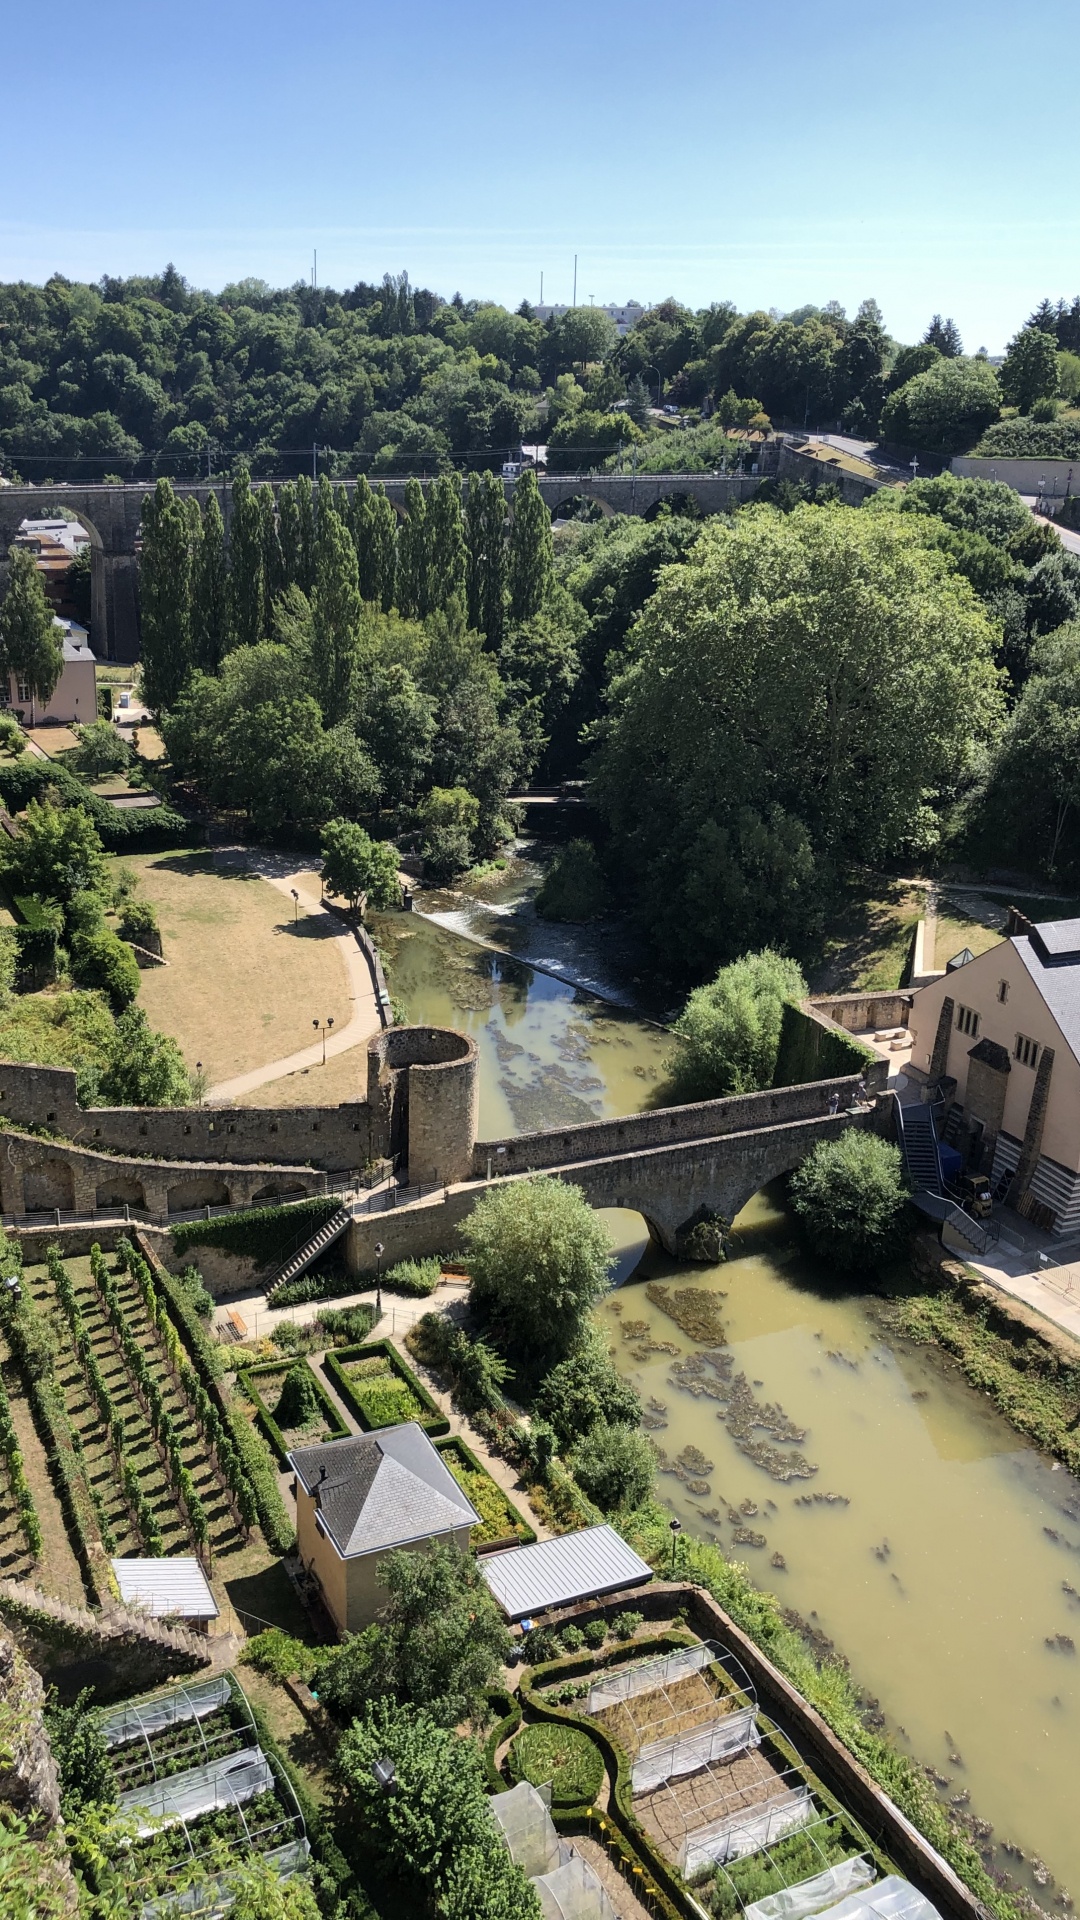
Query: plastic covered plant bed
[170,1733]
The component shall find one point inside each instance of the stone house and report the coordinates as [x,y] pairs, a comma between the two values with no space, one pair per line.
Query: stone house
[73,701]
[1001,1033]
[359,1498]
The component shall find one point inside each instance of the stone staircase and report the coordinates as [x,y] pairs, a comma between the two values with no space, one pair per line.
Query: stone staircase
[24,1605]
[298,1262]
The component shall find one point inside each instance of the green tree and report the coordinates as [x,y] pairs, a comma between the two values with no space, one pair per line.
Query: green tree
[414,560]
[574,887]
[1037,779]
[449,818]
[531,552]
[289,534]
[485,523]
[944,337]
[728,1033]
[586,1391]
[164,597]
[247,588]
[57,854]
[210,592]
[397,722]
[539,1260]
[101,750]
[145,1068]
[275,577]
[445,542]
[101,959]
[305,512]
[356,866]
[438,1644]
[336,609]
[749,735]
[615,1466]
[382,574]
[433,1835]
[944,409]
[259,1892]
[1030,371]
[585,334]
[361,519]
[78,1747]
[849,1198]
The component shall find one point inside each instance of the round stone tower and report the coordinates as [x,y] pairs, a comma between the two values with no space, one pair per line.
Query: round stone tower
[423,1092]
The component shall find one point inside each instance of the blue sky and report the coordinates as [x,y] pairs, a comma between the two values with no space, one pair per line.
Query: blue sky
[770,153]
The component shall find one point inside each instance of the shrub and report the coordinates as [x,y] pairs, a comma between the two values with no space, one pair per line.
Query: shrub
[615,1466]
[139,923]
[849,1197]
[564,1755]
[625,1625]
[596,1632]
[265,1233]
[298,1402]
[101,750]
[539,1645]
[417,1277]
[572,1639]
[728,1033]
[584,1391]
[343,1326]
[279,1654]
[102,960]
[192,1282]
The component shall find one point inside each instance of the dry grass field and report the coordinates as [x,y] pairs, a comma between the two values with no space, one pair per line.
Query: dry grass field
[243,982]
[343,1078]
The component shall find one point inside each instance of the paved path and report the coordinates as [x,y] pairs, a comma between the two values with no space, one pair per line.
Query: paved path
[364,1021]
[1052,1291]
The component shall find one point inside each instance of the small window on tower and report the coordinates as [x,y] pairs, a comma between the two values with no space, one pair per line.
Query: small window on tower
[1003,991]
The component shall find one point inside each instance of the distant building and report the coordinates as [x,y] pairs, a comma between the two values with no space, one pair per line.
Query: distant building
[54,544]
[1001,1034]
[624,317]
[357,1499]
[74,698]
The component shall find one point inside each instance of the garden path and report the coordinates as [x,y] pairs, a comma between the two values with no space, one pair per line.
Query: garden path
[365,1021]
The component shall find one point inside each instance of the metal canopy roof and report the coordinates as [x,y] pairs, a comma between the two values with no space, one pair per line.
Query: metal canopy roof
[164,1587]
[576,1566]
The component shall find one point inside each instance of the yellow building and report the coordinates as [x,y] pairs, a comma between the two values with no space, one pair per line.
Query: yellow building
[1005,1028]
[357,1499]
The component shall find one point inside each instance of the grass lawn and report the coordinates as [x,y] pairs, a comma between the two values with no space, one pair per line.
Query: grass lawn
[956,930]
[53,740]
[151,745]
[343,1078]
[867,944]
[243,982]
[56,1029]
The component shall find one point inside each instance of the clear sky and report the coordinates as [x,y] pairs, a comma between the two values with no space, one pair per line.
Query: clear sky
[770,152]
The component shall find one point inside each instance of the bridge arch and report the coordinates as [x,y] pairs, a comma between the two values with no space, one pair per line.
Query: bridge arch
[571,505]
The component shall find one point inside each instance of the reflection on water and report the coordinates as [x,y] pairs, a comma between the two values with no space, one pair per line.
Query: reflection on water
[940,1553]
[550,1055]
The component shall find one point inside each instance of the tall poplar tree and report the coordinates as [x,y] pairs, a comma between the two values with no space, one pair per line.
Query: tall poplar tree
[337,608]
[289,533]
[445,542]
[384,551]
[361,519]
[247,594]
[413,597]
[485,528]
[30,642]
[305,506]
[274,577]
[164,597]
[531,566]
[210,591]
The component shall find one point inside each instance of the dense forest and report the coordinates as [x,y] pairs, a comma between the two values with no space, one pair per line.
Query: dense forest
[137,376]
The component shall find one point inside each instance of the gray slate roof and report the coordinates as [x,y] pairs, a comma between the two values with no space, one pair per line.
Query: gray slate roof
[380,1490]
[1052,957]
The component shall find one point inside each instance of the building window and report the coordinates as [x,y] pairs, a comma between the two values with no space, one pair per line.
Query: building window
[24,694]
[968,1022]
[1003,991]
[1026,1051]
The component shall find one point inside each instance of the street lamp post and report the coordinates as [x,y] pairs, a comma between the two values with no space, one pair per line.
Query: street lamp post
[379,1251]
[295,905]
[659,381]
[198,1070]
[676,1529]
[914,465]
[324,1029]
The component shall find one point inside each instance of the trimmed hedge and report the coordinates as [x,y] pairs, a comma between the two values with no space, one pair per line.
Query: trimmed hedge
[434,1421]
[264,1233]
[256,1465]
[521,1534]
[247,1378]
[121,829]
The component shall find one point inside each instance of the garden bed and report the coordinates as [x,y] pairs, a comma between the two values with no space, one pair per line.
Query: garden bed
[564,1756]
[262,1386]
[381,1390]
[501,1525]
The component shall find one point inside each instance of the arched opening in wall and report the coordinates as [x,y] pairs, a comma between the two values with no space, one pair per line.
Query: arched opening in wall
[69,553]
[630,1238]
[120,1190]
[685,504]
[273,1190]
[201,1190]
[49,1185]
[580,506]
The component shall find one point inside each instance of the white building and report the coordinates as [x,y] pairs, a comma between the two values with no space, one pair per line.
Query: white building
[73,701]
[624,317]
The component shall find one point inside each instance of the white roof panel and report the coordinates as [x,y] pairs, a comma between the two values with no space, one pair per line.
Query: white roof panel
[575,1566]
[164,1587]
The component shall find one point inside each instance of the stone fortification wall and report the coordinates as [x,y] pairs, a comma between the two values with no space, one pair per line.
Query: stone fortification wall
[336,1139]
[703,1120]
[862,1012]
[423,1094]
[43,1176]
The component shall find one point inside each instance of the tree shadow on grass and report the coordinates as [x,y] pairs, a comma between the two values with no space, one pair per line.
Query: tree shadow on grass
[268,1598]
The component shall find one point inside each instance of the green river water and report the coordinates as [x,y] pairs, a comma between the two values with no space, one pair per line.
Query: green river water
[946,1563]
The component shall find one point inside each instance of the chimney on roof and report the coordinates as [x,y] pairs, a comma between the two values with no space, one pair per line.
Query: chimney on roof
[322,1475]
